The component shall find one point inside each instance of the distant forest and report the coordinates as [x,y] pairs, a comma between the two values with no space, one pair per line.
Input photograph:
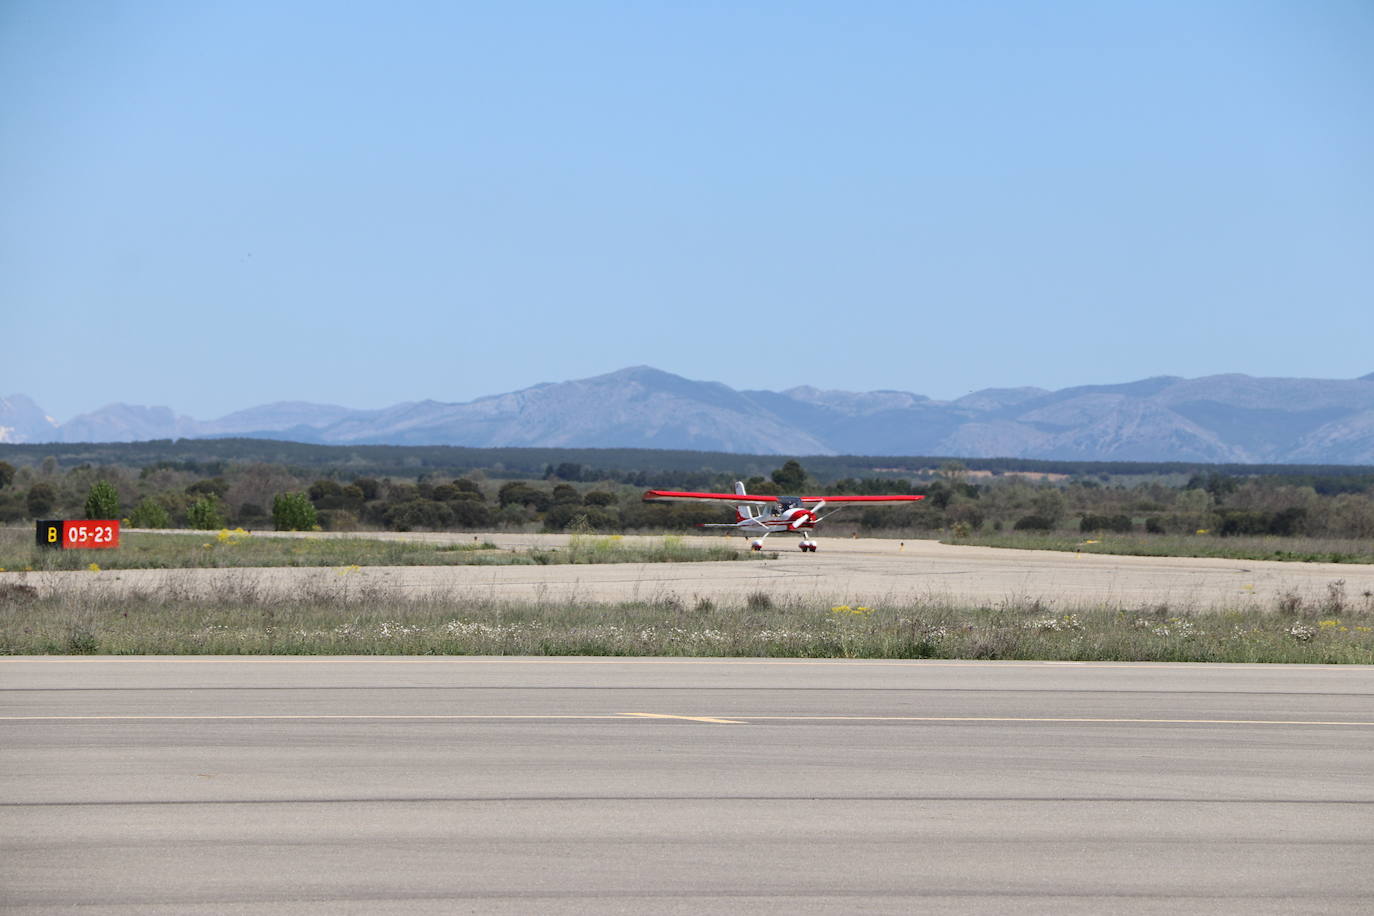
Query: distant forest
[659,468]
[257,483]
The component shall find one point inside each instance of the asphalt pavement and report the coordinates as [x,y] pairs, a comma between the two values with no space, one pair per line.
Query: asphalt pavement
[404,785]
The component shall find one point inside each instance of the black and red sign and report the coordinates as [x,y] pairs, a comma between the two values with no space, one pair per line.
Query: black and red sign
[87,534]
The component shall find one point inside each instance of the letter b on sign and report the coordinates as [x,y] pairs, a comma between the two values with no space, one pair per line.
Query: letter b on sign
[50,532]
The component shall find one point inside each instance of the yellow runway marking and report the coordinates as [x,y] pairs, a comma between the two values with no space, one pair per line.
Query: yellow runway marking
[659,715]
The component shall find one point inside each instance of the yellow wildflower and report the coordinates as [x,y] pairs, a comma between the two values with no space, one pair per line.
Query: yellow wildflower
[1328,624]
[94,567]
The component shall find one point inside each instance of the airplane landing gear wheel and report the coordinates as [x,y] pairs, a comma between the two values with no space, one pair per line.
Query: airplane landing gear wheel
[756,545]
[808,545]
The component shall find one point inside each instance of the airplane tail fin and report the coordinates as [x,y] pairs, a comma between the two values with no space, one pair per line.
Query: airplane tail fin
[742,512]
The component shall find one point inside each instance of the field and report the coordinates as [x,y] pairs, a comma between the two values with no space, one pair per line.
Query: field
[1334,630]
[1014,605]
[1289,549]
[238,549]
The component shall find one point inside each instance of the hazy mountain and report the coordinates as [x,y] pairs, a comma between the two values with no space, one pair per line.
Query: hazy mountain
[21,420]
[1222,418]
[279,416]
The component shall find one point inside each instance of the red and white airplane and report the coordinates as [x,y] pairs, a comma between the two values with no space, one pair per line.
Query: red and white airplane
[789,514]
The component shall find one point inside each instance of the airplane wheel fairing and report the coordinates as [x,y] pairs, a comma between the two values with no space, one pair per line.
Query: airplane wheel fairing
[756,545]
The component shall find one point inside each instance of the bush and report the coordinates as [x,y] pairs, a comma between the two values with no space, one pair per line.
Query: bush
[337,520]
[469,513]
[42,497]
[418,513]
[1033,523]
[150,514]
[102,501]
[1120,524]
[293,512]
[215,486]
[324,489]
[205,514]
[516,493]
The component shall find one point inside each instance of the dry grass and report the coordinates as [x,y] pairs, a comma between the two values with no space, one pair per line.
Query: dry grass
[239,549]
[1294,549]
[242,620]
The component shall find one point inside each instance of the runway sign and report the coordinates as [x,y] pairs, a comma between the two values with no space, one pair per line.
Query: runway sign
[88,534]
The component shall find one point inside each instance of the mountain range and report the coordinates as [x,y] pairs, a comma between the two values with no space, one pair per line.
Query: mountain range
[1219,418]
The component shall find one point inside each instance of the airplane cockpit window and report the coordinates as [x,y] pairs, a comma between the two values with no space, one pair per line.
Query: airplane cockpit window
[789,502]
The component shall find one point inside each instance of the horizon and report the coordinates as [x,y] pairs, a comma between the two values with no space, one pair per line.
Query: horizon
[176,411]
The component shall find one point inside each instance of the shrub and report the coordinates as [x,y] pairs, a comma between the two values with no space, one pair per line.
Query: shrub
[1033,523]
[40,500]
[205,514]
[337,520]
[214,486]
[418,513]
[293,512]
[150,514]
[102,501]
[324,489]
[469,513]
[1118,523]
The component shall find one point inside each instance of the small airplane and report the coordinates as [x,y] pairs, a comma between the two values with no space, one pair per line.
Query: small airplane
[790,514]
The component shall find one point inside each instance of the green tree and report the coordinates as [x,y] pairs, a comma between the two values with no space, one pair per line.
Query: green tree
[293,512]
[418,513]
[150,514]
[790,477]
[102,501]
[6,474]
[205,514]
[213,486]
[40,500]
[324,489]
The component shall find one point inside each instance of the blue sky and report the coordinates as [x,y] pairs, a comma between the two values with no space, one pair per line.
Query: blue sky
[215,205]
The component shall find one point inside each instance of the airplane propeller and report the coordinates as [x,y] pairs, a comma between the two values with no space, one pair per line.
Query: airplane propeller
[805,516]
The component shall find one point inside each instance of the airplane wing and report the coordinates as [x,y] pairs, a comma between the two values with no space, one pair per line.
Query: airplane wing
[860,500]
[738,499]
[662,496]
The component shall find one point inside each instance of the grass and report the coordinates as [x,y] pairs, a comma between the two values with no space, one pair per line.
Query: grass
[232,549]
[241,620]
[1293,549]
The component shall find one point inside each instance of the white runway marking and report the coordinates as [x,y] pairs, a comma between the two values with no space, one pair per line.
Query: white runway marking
[734,720]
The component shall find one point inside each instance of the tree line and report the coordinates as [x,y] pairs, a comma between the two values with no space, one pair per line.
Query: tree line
[566,495]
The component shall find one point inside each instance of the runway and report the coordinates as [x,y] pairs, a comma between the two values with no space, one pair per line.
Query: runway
[863,570]
[410,785]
